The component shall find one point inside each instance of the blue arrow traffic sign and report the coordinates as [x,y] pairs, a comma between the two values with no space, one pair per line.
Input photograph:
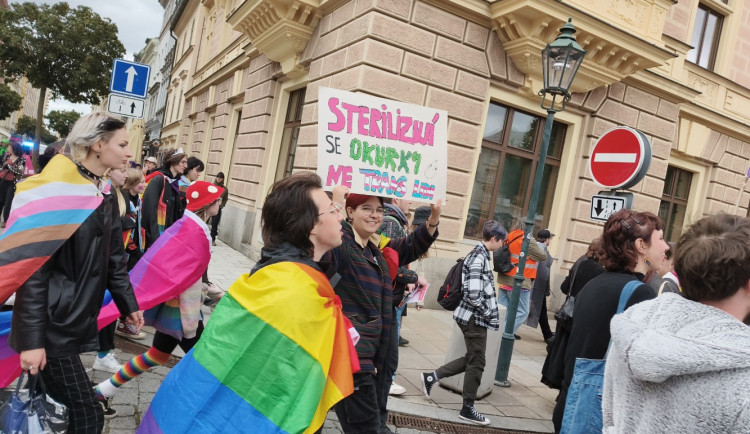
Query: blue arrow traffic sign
[129,78]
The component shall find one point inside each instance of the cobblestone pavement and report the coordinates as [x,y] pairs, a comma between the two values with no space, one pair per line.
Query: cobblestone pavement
[526,406]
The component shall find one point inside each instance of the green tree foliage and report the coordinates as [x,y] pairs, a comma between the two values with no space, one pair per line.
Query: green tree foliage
[27,125]
[10,101]
[48,137]
[66,51]
[62,121]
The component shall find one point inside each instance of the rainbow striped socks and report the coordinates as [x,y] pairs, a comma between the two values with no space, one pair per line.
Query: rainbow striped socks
[133,368]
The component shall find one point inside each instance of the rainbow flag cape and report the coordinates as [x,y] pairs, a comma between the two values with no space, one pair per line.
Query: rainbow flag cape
[274,358]
[47,209]
[177,259]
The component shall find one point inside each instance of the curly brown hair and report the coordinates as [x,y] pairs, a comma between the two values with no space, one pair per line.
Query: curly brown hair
[616,248]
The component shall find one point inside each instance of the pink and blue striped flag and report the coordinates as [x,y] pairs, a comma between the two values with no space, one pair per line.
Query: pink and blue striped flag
[47,209]
[175,261]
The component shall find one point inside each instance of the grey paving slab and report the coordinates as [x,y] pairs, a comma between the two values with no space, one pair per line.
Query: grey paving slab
[526,406]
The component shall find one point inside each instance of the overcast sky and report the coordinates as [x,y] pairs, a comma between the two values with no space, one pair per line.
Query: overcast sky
[136,20]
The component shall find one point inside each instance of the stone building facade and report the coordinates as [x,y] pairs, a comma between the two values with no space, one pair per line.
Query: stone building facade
[244,94]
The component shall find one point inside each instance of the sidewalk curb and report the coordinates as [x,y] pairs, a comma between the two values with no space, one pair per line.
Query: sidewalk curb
[437,413]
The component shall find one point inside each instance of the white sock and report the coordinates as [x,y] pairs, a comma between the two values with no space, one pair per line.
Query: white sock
[106,388]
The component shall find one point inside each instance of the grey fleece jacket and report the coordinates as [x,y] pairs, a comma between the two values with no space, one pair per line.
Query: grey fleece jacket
[677,366]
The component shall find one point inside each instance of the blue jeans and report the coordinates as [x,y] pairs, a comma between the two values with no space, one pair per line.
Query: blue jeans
[583,406]
[398,311]
[503,297]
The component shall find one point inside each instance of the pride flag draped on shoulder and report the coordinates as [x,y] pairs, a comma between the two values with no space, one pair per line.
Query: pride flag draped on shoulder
[275,357]
[47,209]
[175,261]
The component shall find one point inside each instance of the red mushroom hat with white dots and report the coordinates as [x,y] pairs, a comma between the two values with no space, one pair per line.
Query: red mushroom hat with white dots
[202,193]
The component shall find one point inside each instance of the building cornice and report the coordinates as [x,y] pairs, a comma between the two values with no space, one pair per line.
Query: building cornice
[715,120]
[280,29]
[662,86]
[526,26]
[719,94]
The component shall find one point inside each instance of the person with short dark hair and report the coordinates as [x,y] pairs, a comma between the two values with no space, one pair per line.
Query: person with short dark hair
[679,364]
[476,314]
[194,169]
[276,351]
[631,247]
[215,220]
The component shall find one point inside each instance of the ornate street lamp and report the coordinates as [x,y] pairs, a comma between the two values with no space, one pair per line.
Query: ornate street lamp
[561,60]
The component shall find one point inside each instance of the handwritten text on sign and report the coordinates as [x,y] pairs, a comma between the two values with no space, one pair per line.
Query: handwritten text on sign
[381,147]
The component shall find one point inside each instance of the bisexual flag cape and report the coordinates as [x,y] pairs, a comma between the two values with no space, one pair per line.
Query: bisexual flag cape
[274,358]
[47,209]
[177,259]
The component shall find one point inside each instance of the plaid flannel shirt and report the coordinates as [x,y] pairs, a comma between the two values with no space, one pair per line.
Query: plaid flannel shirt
[479,300]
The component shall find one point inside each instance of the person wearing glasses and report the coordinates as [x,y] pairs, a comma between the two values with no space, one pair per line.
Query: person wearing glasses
[631,247]
[275,352]
[368,263]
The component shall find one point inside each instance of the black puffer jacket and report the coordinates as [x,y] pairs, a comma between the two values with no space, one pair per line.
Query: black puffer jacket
[57,308]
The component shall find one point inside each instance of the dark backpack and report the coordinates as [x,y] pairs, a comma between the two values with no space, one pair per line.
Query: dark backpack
[451,292]
[501,257]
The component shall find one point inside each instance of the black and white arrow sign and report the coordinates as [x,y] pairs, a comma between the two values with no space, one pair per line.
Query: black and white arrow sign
[604,206]
[125,106]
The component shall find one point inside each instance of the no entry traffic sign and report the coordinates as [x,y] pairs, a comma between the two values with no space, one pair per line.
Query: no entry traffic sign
[620,158]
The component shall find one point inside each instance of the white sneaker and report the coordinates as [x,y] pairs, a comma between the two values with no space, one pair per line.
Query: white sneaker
[396,390]
[107,363]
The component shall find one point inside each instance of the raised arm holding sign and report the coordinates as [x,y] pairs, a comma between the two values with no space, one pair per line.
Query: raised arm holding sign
[381,147]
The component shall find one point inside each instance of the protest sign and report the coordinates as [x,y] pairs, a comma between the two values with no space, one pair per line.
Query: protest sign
[381,147]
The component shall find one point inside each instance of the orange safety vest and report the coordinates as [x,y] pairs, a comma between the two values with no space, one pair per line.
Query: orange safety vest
[529,271]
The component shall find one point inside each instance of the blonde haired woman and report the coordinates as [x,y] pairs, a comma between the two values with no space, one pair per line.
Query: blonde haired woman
[70,238]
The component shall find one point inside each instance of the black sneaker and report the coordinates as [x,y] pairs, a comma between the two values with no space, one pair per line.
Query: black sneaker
[428,380]
[109,412]
[469,413]
[402,342]
[518,338]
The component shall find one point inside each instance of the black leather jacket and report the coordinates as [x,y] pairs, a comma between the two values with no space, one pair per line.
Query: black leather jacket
[57,308]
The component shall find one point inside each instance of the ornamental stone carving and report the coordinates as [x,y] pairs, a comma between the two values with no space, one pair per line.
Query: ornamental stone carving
[619,40]
[280,29]
[707,88]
